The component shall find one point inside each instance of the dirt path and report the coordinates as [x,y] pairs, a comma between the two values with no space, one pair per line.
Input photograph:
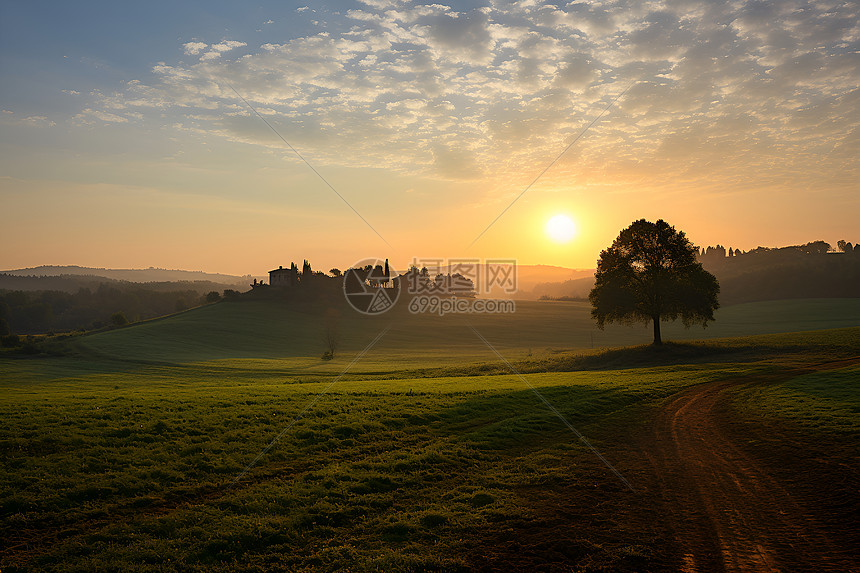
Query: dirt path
[727,511]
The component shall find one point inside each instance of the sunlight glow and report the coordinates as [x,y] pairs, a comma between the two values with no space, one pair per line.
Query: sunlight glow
[560,228]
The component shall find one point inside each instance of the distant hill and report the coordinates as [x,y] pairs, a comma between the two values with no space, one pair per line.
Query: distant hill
[785,273]
[528,278]
[52,298]
[132,275]
[74,283]
[574,288]
[758,275]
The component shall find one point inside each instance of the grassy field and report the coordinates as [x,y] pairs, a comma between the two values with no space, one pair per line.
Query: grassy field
[121,452]
[266,330]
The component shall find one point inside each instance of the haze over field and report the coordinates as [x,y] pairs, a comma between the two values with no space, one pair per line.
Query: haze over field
[124,143]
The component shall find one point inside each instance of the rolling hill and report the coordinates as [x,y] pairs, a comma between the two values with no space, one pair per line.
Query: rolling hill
[132,275]
[269,330]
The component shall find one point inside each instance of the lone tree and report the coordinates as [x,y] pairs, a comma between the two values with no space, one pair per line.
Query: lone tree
[650,273]
[331,333]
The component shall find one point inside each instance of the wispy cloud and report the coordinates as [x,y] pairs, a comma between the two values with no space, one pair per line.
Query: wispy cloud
[215,50]
[9,117]
[88,116]
[722,87]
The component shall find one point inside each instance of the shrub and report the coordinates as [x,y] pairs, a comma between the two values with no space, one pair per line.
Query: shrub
[118,319]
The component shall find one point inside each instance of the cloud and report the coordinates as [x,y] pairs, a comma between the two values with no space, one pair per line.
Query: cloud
[578,71]
[37,121]
[9,118]
[194,48]
[461,35]
[88,115]
[501,89]
[660,35]
[215,50]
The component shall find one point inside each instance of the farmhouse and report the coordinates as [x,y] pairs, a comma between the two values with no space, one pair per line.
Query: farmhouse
[284,277]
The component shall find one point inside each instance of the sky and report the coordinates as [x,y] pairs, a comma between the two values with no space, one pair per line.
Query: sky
[229,138]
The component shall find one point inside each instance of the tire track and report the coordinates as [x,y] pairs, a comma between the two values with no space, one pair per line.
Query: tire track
[728,513]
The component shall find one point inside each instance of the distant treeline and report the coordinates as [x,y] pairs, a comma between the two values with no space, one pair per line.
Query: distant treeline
[116,303]
[813,270]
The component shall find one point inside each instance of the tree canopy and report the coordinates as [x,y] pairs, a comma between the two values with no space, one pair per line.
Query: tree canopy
[650,273]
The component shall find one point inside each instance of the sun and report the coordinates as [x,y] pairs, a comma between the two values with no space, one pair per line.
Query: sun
[560,228]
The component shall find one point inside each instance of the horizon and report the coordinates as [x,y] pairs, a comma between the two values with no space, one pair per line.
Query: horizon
[402,268]
[137,136]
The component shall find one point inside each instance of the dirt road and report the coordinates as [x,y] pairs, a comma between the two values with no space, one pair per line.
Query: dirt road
[728,512]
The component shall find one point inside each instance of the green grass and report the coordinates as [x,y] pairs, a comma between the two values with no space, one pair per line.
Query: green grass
[822,401]
[273,331]
[378,473]
[426,455]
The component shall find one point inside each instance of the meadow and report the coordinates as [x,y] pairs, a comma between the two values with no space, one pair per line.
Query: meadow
[121,450]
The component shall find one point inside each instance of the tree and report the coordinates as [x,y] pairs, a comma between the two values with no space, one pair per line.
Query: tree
[815,248]
[335,272]
[650,273]
[214,296]
[331,333]
[118,319]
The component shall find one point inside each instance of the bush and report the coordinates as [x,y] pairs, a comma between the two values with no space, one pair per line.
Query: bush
[118,319]
[327,355]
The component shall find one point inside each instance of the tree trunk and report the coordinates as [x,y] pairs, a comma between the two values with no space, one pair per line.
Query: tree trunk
[657,339]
